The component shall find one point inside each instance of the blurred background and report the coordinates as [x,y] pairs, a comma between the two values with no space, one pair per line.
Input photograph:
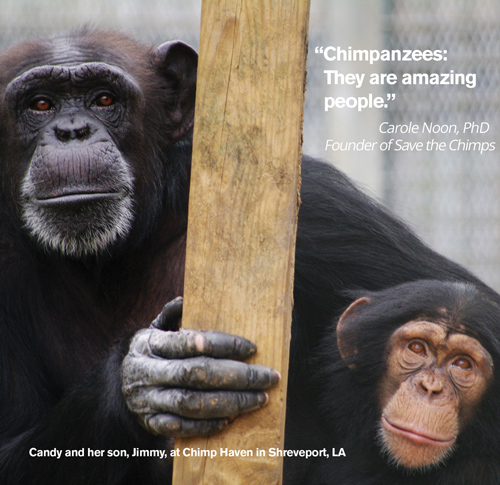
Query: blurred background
[451,199]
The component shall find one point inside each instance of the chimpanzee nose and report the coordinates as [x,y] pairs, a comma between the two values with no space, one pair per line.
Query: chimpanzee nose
[430,385]
[72,129]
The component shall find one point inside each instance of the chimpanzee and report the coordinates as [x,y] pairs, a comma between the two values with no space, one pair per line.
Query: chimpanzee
[412,367]
[95,146]
[347,246]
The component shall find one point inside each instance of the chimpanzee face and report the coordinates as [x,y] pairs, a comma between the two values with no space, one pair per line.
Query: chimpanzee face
[436,373]
[76,194]
[80,162]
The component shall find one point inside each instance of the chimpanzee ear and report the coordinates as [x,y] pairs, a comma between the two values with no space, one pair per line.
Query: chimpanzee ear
[346,341]
[176,63]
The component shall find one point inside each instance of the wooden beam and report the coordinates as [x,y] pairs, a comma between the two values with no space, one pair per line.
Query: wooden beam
[243,211]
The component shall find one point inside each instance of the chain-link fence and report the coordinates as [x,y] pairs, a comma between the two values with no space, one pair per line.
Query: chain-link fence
[451,198]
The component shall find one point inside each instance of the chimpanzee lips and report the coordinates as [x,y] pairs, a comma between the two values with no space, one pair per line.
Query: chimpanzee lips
[416,436]
[77,198]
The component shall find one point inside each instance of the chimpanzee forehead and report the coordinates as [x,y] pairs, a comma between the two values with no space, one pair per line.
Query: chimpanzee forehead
[74,49]
[70,52]
[67,51]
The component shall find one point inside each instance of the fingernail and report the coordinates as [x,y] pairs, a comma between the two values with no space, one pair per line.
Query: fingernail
[275,377]
[199,342]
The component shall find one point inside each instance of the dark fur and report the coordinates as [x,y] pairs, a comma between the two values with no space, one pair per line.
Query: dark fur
[347,245]
[350,421]
[65,324]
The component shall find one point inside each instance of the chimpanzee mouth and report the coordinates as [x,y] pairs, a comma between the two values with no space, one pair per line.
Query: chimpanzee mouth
[78,198]
[79,223]
[415,436]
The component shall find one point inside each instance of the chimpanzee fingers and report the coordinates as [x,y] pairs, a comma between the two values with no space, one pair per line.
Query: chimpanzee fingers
[196,373]
[184,343]
[195,404]
[169,316]
[191,343]
[171,425]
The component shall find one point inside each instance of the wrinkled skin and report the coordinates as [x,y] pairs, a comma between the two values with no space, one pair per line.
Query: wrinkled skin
[182,383]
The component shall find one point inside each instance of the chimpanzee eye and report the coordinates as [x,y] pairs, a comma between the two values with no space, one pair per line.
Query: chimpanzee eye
[104,100]
[41,104]
[462,363]
[417,348]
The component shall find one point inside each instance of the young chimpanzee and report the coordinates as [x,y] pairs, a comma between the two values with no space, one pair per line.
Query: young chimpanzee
[348,246]
[409,394]
[94,177]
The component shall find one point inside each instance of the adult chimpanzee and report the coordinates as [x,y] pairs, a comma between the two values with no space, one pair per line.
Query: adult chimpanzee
[95,158]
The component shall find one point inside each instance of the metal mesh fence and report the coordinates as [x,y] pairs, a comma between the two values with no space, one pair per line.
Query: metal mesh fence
[450,198]
[151,21]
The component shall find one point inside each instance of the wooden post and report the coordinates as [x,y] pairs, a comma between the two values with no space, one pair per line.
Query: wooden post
[243,212]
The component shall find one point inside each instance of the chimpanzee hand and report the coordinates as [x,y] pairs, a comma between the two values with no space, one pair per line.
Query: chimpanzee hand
[181,383]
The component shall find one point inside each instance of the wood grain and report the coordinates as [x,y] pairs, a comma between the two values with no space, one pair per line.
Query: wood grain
[243,212]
